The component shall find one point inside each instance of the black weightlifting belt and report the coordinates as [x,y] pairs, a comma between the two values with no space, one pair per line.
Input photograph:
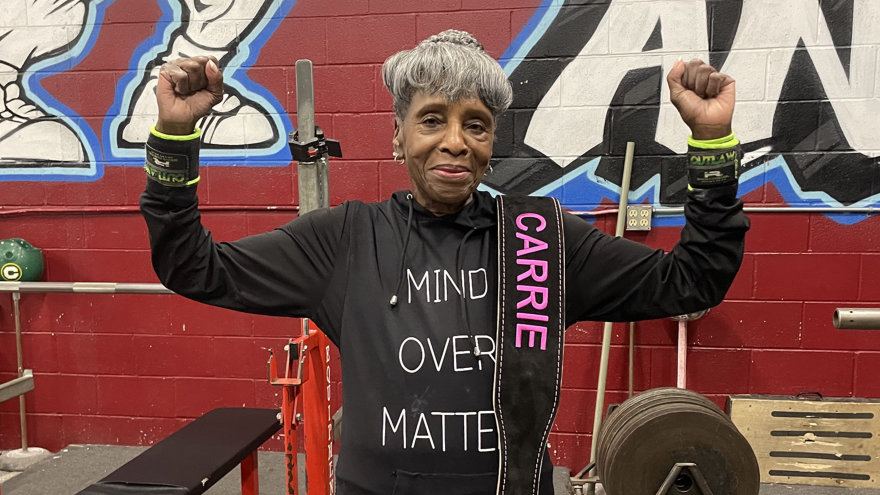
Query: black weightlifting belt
[531,325]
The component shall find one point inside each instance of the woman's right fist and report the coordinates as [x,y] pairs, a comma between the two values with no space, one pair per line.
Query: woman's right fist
[187,90]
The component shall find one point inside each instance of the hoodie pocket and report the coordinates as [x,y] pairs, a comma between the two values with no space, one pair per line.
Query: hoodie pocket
[407,483]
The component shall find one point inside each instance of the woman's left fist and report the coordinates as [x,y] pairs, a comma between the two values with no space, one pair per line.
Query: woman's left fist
[703,97]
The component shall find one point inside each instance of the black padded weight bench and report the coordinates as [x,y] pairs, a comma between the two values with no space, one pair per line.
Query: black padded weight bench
[195,457]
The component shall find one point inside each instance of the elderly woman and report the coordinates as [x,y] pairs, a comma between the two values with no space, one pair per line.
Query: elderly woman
[407,287]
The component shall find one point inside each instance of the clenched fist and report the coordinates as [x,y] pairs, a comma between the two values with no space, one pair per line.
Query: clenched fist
[703,97]
[186,91]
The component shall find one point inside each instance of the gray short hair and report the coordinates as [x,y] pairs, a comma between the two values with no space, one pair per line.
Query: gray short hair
[452,64]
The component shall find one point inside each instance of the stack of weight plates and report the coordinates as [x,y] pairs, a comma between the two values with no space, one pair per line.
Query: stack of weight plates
[642,440]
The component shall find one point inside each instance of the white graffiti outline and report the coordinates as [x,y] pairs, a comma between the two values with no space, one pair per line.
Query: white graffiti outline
[233,77]
[31,81]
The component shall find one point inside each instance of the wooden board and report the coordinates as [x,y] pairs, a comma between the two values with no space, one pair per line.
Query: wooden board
[829,442]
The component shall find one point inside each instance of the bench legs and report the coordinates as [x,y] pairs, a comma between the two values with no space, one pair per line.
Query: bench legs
[250,481]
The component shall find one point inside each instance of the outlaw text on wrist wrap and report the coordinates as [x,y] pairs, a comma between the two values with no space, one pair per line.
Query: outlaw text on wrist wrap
[713,162]
[173,160]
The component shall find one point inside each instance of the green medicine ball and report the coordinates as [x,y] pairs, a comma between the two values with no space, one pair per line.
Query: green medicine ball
[19,261]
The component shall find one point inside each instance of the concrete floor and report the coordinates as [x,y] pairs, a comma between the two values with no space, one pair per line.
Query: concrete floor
[78,466]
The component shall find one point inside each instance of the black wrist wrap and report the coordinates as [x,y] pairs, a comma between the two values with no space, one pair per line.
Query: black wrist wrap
[713,167]
[172,163]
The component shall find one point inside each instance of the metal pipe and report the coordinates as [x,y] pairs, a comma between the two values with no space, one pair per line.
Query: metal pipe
[624,189]
[606,330]
[84,287]
[681,372]
[136,209]
[673,210]
[632,355]
[785,209]
[681,375]
[16,297]
[857,318]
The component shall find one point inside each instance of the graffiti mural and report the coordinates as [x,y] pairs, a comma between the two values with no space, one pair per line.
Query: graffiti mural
[588,77]
[42,139]
[38,135]
[248,122]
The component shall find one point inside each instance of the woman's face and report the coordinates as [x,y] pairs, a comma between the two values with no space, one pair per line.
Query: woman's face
[446,146]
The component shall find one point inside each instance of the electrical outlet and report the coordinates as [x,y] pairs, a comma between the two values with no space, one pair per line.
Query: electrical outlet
[638,217]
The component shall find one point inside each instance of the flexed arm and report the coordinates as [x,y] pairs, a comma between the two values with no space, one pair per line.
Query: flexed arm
[282,272]
[615,279]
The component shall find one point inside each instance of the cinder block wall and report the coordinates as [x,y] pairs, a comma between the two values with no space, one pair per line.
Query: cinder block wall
[588,76]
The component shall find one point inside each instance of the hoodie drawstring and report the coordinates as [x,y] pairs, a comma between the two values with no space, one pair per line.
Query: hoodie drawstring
[467,320]
[409,217]
[458,268]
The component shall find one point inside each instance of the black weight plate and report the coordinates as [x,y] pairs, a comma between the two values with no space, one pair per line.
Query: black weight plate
[648,448]
[640,404]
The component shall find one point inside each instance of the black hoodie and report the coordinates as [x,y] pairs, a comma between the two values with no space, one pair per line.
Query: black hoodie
[418,402]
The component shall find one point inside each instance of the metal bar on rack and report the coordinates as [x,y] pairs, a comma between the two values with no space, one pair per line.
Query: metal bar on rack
[857,318]
[305,101]
[17,386]
[312,175]
[25,381]
[312,150]
[85,287]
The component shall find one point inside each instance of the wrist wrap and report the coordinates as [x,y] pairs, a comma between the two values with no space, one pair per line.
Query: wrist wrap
[173,160]
[713,163]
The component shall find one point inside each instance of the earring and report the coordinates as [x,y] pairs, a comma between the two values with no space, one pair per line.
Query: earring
[400,161]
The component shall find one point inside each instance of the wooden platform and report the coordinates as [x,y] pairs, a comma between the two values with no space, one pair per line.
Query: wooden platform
[827,442]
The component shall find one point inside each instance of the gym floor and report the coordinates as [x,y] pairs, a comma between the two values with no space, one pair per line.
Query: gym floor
[76,467]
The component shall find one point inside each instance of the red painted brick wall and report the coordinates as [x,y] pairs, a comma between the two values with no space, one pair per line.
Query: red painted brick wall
[130,369]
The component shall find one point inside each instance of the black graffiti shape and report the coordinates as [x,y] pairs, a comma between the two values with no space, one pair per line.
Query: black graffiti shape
[655,41]
[807,135]
[201,6]
[839,17]
[722,19]
[64,5]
